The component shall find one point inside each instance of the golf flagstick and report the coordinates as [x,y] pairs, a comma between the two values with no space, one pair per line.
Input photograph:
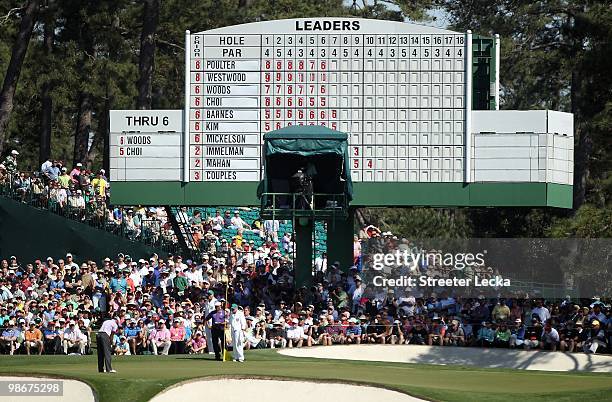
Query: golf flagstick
[226,357]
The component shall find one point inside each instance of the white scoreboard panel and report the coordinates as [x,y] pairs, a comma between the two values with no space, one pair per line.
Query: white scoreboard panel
[146,145]
[398,90]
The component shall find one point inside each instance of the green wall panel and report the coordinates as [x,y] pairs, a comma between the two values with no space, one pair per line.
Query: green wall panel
[560,195]
[31,233]
[366,194]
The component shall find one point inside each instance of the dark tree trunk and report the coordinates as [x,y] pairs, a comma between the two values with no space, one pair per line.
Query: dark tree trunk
[582,153]
[101,136]
[150,16]
[20,47]
[583,148]
[46,100]
[83,128]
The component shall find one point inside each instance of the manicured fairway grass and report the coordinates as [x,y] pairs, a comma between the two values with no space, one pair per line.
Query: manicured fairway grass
[141,377]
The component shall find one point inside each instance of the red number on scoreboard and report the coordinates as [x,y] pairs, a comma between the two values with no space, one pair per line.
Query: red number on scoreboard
[197,151]
[196,138]
[196,126]
[356,151]
[197,163]
[356,163]
[196,175]
[197,101]
[121,152]
[121,140]
[197,114]
[370,163]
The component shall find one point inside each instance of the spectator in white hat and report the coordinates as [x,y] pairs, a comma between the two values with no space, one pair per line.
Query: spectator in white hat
[75,175]
[160,338]
[10,163]
[73,338]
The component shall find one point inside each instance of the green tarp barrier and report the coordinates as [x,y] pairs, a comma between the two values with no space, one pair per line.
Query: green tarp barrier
[309,142]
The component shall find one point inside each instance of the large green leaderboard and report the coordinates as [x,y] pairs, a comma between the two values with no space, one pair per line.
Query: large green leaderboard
[419,105]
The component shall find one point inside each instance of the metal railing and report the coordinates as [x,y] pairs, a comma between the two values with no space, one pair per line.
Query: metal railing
[93,210]
[317,205]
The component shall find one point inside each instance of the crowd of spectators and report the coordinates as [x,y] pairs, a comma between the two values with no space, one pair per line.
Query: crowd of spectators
[165,303]
[83,195]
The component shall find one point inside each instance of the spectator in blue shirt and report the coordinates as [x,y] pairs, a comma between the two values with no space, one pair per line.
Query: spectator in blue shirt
[52,338]
[10,337]
[353,332]
[57,283]
[133,334]
[119,283]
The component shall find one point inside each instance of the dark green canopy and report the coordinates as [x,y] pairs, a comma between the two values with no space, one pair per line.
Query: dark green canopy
[288,147]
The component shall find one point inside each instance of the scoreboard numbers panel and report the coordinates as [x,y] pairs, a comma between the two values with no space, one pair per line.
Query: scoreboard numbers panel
[397,90]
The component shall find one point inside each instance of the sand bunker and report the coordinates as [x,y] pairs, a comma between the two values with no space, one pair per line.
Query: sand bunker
[480,357]
[254,390]
[72,391]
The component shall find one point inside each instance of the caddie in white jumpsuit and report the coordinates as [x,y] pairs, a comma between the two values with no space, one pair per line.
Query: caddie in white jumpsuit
[238,326]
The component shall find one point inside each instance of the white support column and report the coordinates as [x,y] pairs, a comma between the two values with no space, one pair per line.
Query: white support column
[468,107]
[497,67]
[186,108]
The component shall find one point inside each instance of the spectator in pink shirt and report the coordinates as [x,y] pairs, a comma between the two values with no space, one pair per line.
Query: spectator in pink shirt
[198,344]
[75,174]
[177,337]
[160,338]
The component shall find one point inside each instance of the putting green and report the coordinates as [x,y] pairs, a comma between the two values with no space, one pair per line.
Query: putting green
[139,378]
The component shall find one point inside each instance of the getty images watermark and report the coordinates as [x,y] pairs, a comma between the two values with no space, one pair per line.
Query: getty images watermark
[428,269]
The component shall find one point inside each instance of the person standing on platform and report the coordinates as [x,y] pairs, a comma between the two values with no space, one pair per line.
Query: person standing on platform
[238,326]
[103,339]
[217,320]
